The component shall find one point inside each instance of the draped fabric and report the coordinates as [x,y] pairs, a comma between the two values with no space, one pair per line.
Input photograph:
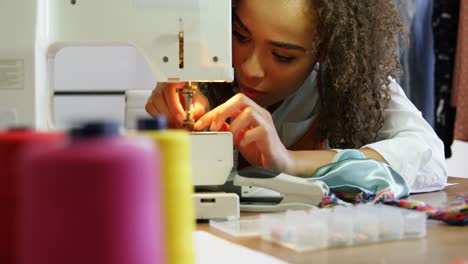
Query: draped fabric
[460,92]
[417,56]
[445,27]
[421,60]
[406,10]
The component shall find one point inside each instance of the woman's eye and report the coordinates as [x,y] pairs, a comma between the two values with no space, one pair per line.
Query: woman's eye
[283,59]
[241,38]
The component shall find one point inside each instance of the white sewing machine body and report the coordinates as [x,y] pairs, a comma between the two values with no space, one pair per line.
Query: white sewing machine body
[212,162]
[212,157]
[181,40]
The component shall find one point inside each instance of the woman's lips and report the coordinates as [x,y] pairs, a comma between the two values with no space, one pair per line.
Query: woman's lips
[251,93]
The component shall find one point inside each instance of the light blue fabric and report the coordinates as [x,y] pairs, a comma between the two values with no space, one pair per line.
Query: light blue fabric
[297,112]
[354,173]
[348,154]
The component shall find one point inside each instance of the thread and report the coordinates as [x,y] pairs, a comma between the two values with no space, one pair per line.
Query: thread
[12,145]
[177,193]
[93,200]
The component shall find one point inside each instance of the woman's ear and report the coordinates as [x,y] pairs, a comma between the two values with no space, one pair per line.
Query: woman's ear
[324,55]
[324,59]
[324,49]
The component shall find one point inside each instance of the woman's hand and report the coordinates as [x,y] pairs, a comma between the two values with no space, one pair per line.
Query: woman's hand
[254,132]
[165,100]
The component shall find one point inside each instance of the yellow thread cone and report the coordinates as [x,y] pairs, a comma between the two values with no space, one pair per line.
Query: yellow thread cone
[178,191]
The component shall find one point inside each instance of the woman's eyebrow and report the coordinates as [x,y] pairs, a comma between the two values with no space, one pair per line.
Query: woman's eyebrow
[237,20]
[287,45]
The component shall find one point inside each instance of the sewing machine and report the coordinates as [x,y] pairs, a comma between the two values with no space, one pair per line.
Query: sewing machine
[181,40]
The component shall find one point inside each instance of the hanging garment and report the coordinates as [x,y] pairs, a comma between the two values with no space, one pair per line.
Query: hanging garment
[460,85]
[406,10]
[445,26]
[421,61]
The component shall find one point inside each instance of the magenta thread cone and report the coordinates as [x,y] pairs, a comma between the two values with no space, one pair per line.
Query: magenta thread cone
[95,200]
[12,145]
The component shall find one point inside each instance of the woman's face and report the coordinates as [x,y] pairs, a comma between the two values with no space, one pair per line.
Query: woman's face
[274,47]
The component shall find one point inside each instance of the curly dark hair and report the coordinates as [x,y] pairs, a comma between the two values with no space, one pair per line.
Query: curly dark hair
[359,41]
[358,46]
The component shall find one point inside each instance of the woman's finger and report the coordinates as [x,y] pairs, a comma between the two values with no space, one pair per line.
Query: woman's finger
[151,109]
[247,118]
[216,117]
[256,134]
[158,106]
[172,100]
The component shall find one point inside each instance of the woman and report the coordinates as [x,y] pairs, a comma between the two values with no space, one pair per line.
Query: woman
[311,77]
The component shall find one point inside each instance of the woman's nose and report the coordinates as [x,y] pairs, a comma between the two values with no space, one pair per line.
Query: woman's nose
[252,66]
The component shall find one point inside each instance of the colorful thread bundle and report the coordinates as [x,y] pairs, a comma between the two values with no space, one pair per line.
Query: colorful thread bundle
[456,212]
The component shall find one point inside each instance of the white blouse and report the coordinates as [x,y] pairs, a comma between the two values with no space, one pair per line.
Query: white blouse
[406,141]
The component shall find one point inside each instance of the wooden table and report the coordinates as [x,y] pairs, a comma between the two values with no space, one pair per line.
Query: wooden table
[443,243]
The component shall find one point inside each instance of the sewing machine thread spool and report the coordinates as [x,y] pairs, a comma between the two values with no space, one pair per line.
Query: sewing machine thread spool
[178,189]
[13,144]
[93,200]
